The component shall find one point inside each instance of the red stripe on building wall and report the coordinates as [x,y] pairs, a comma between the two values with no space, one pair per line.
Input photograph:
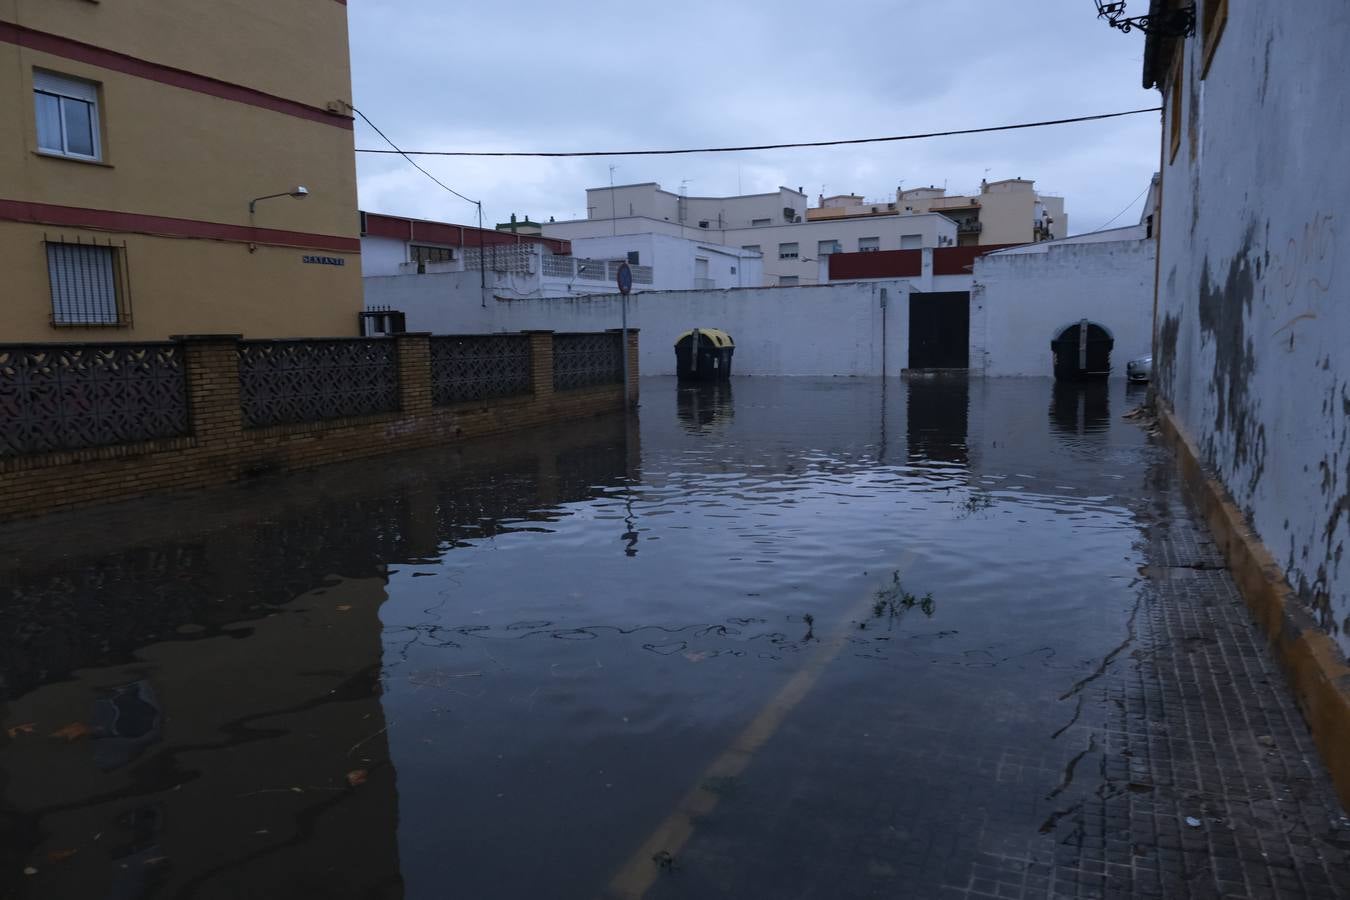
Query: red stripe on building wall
[130,65]
[415,230]
[961,260]
[876,264]
[437,233]
[908,263]
[164,226]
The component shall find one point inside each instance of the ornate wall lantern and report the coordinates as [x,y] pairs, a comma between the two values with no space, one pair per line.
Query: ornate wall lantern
[1178,22]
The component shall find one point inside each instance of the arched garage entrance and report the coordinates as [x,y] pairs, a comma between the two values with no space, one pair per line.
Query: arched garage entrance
[1082,351]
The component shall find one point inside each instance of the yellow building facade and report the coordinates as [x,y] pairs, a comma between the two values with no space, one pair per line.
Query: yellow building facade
[136,135]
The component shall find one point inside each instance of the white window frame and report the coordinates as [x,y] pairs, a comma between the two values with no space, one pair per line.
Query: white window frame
[753,248]
[872,248]
[67,90]
[760,223]
[794,253]
[826,247]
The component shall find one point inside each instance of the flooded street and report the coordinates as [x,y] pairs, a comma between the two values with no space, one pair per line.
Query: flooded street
[783,638]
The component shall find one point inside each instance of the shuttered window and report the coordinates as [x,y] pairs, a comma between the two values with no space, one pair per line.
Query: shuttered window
[84,279]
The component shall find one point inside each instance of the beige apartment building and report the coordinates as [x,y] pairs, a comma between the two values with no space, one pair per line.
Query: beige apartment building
[1010,211]
[775,225]
[174,168]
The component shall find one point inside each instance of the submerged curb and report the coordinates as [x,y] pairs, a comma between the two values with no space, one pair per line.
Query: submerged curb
[1316,669]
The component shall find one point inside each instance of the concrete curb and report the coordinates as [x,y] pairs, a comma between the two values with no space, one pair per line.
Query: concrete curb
[1316,669]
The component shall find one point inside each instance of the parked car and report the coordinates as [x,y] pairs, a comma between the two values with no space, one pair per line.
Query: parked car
[1139,370]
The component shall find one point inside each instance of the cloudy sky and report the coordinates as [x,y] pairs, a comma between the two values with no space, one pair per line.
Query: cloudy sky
[602,75]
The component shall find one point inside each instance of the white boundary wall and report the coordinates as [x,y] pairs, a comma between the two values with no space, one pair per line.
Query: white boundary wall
[1023,298]
[813,330]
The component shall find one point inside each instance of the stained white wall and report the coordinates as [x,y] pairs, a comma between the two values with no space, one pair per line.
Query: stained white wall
[1254,318]
[818,330]
[1021,300]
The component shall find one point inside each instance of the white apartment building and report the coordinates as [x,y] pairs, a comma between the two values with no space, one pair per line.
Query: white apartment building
[430,269]
[649,201]
[772,225]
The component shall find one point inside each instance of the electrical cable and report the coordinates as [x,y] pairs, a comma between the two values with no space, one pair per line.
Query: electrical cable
[482,270]
[407,154]
[1121,213]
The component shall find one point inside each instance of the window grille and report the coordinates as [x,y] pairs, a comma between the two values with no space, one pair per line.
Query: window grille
[89,283]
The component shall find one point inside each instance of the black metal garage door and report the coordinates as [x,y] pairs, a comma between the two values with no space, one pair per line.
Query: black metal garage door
[939,330]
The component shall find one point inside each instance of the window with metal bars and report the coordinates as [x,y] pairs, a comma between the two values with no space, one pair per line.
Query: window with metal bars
[89,285]
[423,253]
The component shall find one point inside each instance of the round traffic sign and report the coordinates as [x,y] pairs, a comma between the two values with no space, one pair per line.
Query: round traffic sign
[624,278]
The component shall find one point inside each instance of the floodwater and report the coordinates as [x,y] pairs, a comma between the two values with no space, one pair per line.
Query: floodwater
[546,666]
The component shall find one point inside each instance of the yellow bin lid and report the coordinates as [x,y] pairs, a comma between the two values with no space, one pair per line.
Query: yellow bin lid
[717,337]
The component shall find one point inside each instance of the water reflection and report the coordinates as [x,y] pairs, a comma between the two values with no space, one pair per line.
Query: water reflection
[938,419]
[1080,408]
[702,404]
[493,670]
[190,689]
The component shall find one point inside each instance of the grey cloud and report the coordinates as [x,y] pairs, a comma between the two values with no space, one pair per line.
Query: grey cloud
[601,75]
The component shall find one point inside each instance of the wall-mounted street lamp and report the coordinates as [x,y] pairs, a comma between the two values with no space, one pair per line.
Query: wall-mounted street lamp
[299,192]
[1178,22]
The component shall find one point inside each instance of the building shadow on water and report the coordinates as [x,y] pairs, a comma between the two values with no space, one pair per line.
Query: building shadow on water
[190,699]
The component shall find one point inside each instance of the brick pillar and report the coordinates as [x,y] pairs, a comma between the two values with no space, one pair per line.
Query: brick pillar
[212,362]
[541,364]
[633,367]
[414,372]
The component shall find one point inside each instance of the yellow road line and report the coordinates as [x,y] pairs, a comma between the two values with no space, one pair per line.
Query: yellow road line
[640,871]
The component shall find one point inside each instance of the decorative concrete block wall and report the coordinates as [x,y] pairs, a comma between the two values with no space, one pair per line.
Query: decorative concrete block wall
[84,424]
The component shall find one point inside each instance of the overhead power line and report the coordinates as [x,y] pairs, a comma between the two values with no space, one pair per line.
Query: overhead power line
[482,268]
[409,158]
[407,154]
[1122,212]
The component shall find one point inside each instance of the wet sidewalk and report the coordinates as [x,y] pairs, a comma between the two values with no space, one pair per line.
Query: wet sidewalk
[786,638]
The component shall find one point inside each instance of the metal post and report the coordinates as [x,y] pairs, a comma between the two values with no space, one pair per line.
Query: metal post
[623,298]
[624,277]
